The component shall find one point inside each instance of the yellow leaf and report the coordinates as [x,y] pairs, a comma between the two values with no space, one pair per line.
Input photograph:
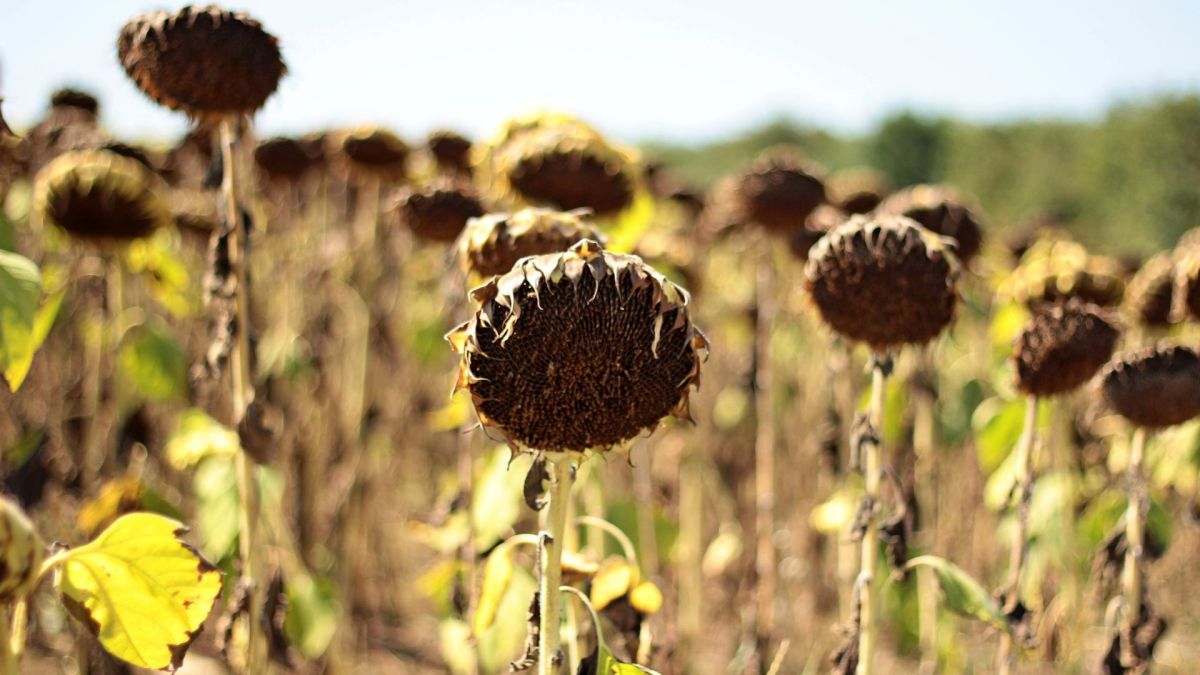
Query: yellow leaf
[197,437]
[646,598]
[117,496]
[834,514]
[497,572]
[453,415]
[612,581]
[140,589]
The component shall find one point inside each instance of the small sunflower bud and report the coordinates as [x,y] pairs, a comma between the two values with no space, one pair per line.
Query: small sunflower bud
[1154,387]
[21,551]
[1062,347]
[883,280]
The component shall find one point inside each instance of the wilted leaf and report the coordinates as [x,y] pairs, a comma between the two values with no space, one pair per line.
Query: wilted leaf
[646,598]
[140,589]
[116,497]
[961,593]
[199,436]
[155,364]
[20,289]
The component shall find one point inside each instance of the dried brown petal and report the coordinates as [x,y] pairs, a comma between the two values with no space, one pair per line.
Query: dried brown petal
[780,189]
[99,195]
[884,281]
[940,209]
[1062,347]
[438,211]
[577,351]
[494,243]
[1154,387]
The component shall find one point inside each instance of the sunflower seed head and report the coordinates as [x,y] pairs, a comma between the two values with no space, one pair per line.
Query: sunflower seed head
[883,280]
[940,209]
[492,244]
[1154,387]
[1063,346]
[439,210]
[578,351]
[99,195]
[780,189]
[1150,297]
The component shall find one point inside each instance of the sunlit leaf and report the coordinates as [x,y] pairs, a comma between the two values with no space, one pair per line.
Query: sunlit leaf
[152,360]
[612,581]
[199,436]
[497,573]
[162,272]
[646,598]
[721,553]
[503,641]
[834,514]
[140,589]
[961,593]
[116,497]
[454,638]
[214,485]
[20,290]
[497,501]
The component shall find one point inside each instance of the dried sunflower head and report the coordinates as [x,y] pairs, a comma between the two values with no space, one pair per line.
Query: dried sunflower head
[884,280]
[857,190]
[580,350]
[940,209]
[438,211]
[99,195]
[1189,280]
[207,62]
[1062,347]
[451,151]
[78,99]
[1151,293]
[1157,386]
[555,160]
[372,150]
[1054,269]
[823,219]
[494,243]
[285,160]
[780,189]
[21,551]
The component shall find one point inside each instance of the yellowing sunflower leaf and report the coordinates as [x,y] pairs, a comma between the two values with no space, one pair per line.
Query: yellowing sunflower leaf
[140,589]
[497,573]
[612,581]
[20,289]
[199,436]
[646,598]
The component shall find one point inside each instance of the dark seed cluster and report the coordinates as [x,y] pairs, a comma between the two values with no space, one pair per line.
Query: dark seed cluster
[451,151]
[582,350]
[99,195]
[205,61]
[375,150]
[438,211]
[1154,387]
[1062,347]
[493,244]
[75,98]
[939,209]
[285,160]
[780,189]
[856,190]
[883,280]
[557,168]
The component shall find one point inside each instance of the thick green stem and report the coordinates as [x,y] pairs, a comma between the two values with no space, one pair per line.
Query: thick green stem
[243,395]
[1007,657]
[551,544]
[1135,531]
[873,476]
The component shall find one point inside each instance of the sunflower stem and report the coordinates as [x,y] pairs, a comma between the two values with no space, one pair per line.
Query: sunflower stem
[1007,656]
[1135,532]
[764,463]
[873,475]
[551,545]
[243,394]
[8,651]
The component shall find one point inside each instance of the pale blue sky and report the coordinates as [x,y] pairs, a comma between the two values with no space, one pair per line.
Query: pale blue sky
[690,70]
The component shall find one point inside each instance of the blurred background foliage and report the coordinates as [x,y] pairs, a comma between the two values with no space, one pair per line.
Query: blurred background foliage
[1127,181]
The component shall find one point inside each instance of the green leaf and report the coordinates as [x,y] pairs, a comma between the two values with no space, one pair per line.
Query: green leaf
[199,436]
[155,364]
[141,590]
[312,614]
[998,425]
[162,272]
[217,508]
[497,573]
[961,593]
[20,289]
[498,497]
